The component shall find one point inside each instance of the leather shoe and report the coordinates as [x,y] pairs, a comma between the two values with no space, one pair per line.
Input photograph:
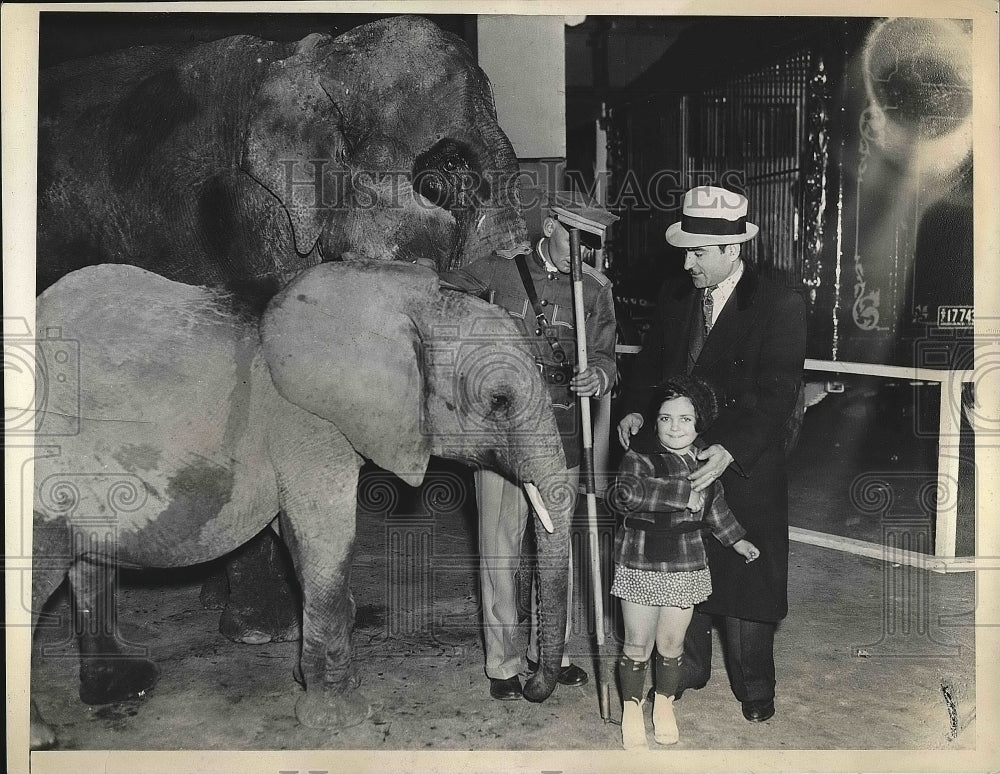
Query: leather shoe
[568,675]
[572,675]
[758,711]
[505,690]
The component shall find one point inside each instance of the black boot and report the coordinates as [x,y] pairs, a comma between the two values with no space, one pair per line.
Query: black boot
[667,674]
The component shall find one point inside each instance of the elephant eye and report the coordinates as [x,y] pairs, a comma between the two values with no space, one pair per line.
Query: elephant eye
[447,175]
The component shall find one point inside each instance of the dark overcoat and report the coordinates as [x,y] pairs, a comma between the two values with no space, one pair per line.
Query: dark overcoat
[754,355]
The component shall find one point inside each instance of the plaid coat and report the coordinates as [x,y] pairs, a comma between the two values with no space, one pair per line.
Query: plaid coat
[654,487]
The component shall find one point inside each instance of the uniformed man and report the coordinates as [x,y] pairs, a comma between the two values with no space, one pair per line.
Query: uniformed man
[503,509]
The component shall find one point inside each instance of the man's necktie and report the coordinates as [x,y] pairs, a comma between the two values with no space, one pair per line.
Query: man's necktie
[700,332]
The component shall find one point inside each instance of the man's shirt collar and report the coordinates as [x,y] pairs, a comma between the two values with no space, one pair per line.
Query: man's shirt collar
[728,285]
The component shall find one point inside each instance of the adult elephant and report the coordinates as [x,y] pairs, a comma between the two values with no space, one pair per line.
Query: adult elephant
[196,424]
[241,161]
[244,159]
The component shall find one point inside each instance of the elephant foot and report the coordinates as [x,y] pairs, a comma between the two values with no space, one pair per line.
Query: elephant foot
[539,686]
[111,680]
[257,626]
[353,679]
[40,736]
[322,709]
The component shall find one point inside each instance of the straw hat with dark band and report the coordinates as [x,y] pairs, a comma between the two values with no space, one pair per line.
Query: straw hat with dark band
[711,216]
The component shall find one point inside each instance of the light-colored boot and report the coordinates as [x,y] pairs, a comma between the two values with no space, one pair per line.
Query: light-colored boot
[632,679]
[633,726]
[664,723]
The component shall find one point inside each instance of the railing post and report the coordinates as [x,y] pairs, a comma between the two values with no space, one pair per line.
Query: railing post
[949,429]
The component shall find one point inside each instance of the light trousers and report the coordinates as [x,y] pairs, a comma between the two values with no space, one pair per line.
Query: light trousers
[504,512]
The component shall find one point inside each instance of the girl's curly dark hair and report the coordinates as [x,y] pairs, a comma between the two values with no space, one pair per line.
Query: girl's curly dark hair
[703,396]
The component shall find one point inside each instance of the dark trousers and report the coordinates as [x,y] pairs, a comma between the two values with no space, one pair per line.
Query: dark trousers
[749,649]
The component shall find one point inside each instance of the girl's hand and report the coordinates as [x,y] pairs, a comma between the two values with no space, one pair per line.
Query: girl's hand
[696,501]
[746,549]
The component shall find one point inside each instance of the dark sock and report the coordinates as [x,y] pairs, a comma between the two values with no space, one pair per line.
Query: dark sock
[631,678]
[667,674]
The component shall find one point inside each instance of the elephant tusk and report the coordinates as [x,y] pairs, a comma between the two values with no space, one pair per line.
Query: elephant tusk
[536,502]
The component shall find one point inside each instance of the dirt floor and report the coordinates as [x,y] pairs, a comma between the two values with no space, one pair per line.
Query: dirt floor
[878,433]
[872,656]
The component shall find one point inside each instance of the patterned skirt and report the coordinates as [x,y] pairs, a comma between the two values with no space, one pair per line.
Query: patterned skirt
[649,587]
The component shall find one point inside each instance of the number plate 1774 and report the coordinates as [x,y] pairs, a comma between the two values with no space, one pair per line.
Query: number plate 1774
[954,316]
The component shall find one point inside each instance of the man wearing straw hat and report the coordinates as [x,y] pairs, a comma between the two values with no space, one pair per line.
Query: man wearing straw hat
[503,509]
[745,334]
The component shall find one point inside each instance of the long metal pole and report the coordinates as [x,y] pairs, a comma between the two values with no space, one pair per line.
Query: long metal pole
[587,459]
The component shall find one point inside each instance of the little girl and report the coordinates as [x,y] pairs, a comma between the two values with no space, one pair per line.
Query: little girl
[660,567]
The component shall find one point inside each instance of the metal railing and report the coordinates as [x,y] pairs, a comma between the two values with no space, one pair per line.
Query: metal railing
[949,427]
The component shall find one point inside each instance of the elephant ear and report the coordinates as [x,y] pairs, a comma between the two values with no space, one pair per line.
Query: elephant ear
[340,342]
[295,129]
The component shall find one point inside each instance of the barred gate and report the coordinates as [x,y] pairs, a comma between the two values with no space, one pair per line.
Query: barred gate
[751,135]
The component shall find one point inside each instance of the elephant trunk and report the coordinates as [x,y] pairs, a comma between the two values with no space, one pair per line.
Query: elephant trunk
[498,225]
[556,492]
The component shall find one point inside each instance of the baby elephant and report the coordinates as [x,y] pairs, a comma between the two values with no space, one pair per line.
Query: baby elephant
[192,422]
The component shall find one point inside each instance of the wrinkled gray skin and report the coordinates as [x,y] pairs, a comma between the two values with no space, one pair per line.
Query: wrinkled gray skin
[197,424]
[238,162]
[243,160]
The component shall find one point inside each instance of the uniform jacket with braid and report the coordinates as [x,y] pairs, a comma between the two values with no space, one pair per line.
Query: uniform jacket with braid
[500,279]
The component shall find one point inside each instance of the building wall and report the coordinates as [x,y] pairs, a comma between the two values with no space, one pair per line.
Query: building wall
[525,59]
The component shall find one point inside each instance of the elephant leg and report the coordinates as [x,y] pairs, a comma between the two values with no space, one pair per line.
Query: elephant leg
[319,528]
[215,589]
[263,602]
[41,735]
[107,673]
[51,560]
